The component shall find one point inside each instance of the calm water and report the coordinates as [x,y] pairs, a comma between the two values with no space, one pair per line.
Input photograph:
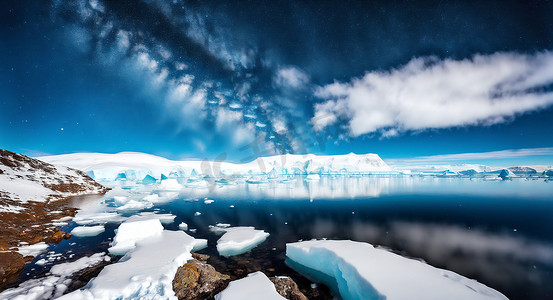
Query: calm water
[497,232]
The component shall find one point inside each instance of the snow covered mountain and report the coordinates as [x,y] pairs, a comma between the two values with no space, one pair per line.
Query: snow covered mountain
[132,165]
[24,179]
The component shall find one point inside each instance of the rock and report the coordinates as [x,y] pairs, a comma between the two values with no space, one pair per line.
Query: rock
[200,257]
[198,280]
[287,288]
[11,265]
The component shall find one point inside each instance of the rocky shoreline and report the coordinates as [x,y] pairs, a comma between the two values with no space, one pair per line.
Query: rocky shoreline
[29,218]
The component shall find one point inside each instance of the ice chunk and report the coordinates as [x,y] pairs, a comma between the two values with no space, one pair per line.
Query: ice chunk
[166,218]
[146,272]
[83,231]
[238,240]
[97,218]
[149,179]
[32,250]
[134,205]
[257,180]
[208,201]
[131,231]
[199,244]
[360,271]
[313,177]
[170,184]
[254,286]
[183,226]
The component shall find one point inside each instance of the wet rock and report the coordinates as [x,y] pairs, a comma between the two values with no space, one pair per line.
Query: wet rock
[198,280]
[11,265]
[200,257]
[287,288]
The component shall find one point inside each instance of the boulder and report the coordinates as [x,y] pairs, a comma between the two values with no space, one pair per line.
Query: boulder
[198,280]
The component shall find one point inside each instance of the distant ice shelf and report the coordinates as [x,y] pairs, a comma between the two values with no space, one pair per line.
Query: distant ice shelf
[358,270]
[150,169]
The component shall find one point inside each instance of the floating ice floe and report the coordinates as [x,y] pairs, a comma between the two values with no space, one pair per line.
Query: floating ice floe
[199,244]
[165,218]
[98,218]
[254,286]
[208,201]
[32,250]
[133,230]
[55,284]
[313,177]
[84,231]
[183,226]
[133,206]
[170,184]
[146,272]
[238,240]
[359,271]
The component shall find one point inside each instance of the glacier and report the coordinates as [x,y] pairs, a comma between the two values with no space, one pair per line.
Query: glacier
[138,166]
[358,270]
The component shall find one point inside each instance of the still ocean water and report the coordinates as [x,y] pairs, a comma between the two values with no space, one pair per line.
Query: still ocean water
[497,232]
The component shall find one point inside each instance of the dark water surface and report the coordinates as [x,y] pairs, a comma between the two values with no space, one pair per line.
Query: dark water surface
[497,232]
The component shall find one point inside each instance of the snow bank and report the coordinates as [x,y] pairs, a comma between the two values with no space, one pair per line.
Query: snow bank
[54,285]
[361,271]
[84,231]
[32,250]
[146,272]
[133,230]
[238,240]
[255,286]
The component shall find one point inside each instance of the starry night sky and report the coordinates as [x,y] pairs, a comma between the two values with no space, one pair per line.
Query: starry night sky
[184,79]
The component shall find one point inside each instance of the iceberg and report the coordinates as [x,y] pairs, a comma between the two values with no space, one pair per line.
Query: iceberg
[146,272]
[255,286]
[149,179]
[238,240]
[84,231]
[360,271]
[505,174]
[131,231]
[183,226]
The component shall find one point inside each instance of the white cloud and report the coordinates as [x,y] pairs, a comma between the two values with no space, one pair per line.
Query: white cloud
[430,93]
[291,77]
[503,154]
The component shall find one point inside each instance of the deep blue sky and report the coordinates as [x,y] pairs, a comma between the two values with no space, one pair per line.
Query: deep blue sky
[197,80]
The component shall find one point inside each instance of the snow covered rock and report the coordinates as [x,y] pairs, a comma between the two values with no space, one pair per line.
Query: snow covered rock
[238,240]
[56,283]
[24,179]
[254,286]
[361,271]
